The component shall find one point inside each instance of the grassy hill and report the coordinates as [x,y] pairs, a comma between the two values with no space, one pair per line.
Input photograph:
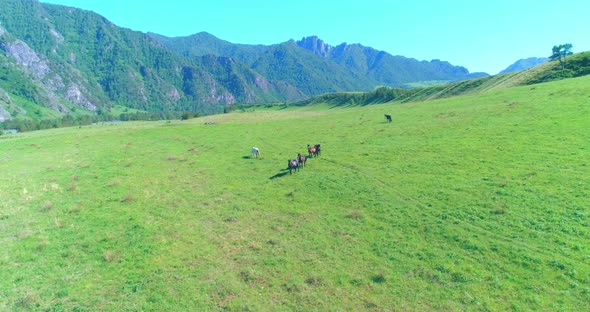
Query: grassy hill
[577,65]
[477,202]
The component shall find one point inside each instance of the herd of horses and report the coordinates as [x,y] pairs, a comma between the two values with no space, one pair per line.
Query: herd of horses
[299,162]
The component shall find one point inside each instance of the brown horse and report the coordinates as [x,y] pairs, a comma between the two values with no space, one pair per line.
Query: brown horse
[301,159]
[293,165]
[317,150]
[311,151]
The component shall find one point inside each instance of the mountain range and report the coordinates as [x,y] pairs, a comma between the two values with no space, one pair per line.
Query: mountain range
[60,60]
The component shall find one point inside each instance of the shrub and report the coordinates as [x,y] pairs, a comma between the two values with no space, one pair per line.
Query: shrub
[379,278]
[186,115]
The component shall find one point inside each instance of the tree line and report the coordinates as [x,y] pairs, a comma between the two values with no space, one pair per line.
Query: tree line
[24,125]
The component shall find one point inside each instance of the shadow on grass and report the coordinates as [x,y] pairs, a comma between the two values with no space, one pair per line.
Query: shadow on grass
[250,157]
[280,174]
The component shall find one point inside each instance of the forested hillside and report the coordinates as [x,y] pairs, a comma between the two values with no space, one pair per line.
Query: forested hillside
[60,61]
[67,50]
[358,68]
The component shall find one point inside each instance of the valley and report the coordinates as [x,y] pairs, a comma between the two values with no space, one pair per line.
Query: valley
[475,202]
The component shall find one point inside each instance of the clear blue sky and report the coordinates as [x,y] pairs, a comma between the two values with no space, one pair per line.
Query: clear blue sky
[480,35]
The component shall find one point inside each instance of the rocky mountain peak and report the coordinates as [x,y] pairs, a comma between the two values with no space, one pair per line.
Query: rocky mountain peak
[315,45]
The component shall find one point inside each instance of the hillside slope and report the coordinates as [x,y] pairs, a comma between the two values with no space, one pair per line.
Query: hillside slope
[470,203]
[59,60]
[578,65]
[524,64]
[79,58]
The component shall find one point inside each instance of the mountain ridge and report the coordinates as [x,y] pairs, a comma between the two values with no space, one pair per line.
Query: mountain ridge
[374,66]
[64,60]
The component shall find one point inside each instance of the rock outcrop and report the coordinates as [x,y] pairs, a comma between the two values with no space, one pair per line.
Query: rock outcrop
[4,102]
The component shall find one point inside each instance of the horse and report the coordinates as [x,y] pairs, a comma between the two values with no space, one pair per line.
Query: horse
[388,117]
[317,150]
[301,159]
[311,151]
[293,165]
[255,152]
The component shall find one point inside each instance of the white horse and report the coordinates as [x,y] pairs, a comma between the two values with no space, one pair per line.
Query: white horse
[255,152]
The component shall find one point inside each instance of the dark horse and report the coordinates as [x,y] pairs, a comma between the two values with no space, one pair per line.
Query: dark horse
[301,159]
[293,165]
[388,117]
[317,150]
[311,150]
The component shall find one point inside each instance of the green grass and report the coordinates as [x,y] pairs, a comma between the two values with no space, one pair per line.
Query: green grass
[478,202]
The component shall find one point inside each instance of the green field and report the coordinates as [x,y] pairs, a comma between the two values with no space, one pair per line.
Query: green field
[476,203]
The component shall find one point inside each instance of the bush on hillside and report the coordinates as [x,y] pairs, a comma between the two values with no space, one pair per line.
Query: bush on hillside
[186,115]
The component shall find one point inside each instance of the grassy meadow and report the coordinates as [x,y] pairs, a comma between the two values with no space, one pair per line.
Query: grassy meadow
[476,203]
